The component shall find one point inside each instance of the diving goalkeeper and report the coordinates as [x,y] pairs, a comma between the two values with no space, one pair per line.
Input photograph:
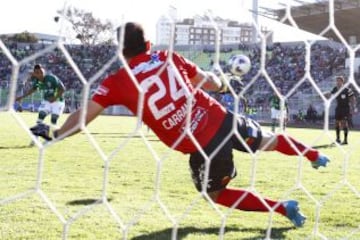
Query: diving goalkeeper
[170,92]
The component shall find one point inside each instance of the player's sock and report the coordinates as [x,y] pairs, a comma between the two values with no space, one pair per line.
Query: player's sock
[284,146]
[250,202]
[346,131]
[273,124]
[337,129]
[41,117]
[54,118]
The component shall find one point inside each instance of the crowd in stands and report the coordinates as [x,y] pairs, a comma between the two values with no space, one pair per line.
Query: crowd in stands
[88,59]
[285,66]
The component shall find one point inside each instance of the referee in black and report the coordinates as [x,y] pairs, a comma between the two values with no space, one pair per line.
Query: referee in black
[346,104]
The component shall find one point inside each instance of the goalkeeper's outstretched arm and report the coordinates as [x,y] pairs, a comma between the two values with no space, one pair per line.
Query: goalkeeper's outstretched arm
[72,124]
[208,80]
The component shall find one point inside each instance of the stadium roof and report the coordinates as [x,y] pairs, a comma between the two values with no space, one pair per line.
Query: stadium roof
[314,17]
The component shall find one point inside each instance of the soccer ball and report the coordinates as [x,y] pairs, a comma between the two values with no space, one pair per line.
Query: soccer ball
[239,65]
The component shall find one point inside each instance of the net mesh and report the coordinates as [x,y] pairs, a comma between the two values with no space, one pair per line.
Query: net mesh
[105,199]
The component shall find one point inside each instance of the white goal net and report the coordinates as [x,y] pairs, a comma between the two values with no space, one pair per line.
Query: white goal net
[116,180]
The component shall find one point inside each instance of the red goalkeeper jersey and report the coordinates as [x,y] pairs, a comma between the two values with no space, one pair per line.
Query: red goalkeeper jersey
[160,91]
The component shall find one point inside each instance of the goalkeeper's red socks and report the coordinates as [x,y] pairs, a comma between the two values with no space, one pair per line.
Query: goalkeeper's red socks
[284,146]
[249,201]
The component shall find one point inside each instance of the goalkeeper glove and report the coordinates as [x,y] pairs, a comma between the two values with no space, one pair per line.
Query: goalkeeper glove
[42,130]
[223,78]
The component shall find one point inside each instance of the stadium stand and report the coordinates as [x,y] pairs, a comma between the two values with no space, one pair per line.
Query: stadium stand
[314,17]
[285,63]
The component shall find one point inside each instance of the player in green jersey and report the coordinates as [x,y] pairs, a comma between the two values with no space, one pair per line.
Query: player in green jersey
[52,89]
[276,113]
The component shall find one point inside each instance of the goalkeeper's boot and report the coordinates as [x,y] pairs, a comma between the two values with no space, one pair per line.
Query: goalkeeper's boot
[321,161]
[293,213]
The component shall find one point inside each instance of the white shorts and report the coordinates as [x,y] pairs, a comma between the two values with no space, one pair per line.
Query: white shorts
[56,107]
[276,114]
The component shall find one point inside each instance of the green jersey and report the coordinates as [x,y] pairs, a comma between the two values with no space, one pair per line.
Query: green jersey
[49,86]
[275,102]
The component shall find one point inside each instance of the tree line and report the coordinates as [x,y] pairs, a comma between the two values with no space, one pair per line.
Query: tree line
[88,29]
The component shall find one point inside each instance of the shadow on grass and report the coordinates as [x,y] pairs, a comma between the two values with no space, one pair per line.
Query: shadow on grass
[331,145]
[124,135]
[17,147]
[87,201]
[276,233]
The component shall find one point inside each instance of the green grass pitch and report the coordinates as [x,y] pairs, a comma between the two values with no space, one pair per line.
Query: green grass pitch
[149,189]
